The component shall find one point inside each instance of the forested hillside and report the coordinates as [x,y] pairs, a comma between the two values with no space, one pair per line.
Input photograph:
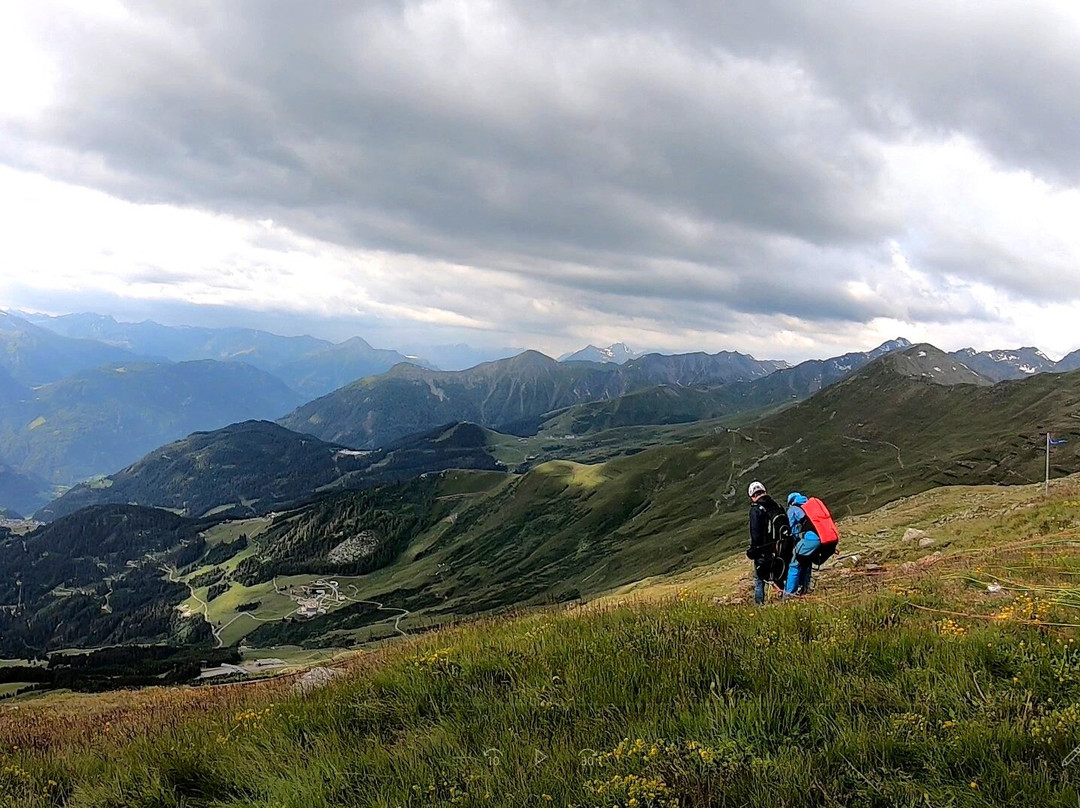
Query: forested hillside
[100,420]
[255,467]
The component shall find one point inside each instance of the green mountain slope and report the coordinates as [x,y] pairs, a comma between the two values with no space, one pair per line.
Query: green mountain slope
[22,493]
[100,420]
[255,467]
[248,468]
[458,543]
[922,686]
[672,404]
[34,355]
[330,367]
[453,446]
[376,411]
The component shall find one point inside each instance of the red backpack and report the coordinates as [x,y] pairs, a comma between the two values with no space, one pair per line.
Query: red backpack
[824,526]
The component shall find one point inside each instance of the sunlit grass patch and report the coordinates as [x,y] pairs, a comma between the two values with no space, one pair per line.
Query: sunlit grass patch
[574,474]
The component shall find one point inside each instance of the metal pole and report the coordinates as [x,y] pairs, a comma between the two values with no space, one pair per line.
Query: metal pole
[1046,490]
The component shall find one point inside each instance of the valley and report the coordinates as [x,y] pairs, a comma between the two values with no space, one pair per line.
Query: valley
[439,544]
[257,569]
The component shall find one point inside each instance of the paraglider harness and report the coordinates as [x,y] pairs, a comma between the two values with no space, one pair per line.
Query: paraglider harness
[821,522]
[776,551]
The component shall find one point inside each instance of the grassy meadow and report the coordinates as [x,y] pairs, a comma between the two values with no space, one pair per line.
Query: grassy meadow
[946,674]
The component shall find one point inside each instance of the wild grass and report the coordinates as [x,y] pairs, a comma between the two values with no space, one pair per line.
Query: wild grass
[679,703]
[918,685]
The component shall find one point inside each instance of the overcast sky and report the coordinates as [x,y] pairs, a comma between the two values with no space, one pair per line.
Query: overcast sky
[792,179]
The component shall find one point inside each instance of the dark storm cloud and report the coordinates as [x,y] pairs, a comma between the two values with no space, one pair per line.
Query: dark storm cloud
[726,153]
[1006,73]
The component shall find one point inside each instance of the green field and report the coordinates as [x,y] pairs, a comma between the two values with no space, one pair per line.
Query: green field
[275,604]
[293,656]
[228,532]
[908,679]
[556,442]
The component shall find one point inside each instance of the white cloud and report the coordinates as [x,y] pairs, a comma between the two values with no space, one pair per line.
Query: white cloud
[971,217]
[27,73]
[755,175]
[63,238]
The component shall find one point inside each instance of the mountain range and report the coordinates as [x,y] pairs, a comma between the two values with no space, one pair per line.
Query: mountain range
[671,404]
[311,366]
[102,418]
[256,467]
[31,355]
[73,407]
[995,365]
[85,395]
[461,542]
[378,410]
[999,366]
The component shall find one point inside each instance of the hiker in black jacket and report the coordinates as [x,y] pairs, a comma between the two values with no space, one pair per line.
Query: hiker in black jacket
[770,540]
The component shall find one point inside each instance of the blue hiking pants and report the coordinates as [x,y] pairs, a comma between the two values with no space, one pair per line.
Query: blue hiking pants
[802,565]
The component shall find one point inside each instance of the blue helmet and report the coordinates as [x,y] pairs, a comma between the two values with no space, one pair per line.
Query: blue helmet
[795,498]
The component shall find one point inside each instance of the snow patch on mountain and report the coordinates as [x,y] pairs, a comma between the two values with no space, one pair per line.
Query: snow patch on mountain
[1002,364]
[618,353]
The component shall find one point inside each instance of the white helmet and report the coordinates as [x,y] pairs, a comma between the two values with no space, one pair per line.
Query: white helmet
[755,489]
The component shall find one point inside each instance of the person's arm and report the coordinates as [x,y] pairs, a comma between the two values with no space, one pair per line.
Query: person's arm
[794,516]
[757,532]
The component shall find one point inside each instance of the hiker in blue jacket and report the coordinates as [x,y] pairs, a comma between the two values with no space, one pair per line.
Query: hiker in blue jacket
[806,544]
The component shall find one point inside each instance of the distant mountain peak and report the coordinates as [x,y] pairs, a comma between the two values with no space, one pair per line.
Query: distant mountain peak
[1003,364]
[926,361]
[529,358]
[617,352]
[898,344]
[354,342]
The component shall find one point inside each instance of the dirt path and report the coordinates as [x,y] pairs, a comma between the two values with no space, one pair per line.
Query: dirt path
[402,613]
[895,448]
[174,578]
[254,617]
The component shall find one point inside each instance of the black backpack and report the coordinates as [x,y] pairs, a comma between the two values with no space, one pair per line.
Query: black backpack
[773,562]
